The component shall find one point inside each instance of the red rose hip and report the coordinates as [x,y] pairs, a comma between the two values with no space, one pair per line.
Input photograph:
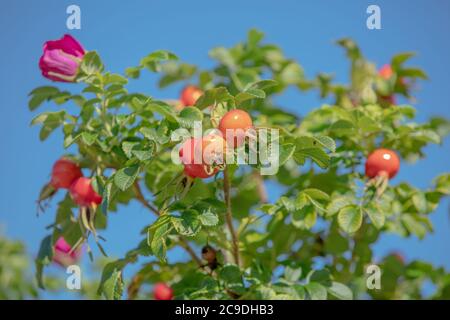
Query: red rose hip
[234,125]
[83,193]
[190,95]
[382,162]
[64,173]
[161,291]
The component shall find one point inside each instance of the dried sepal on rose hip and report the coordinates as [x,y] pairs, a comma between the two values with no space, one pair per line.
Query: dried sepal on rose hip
[84,195]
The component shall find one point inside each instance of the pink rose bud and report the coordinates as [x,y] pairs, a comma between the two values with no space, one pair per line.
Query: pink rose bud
[61,59]
[62,255]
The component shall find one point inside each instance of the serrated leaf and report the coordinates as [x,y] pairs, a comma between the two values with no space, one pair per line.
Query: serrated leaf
[286,152]
[125,177]
[212,97]
[111,283]
[376,216]
[209,218]
[320,157]
[41,94]
[50,121]
[249,94]
[326,142]
[157,238]
[188,116]
[187,224]
[350,219]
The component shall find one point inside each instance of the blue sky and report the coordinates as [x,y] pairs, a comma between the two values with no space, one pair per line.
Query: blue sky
[124,31]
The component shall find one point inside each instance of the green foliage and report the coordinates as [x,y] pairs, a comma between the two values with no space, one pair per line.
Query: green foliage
[329,211]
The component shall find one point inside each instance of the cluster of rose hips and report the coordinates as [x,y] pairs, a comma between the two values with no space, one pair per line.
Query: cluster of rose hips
[211,149]
[66,174]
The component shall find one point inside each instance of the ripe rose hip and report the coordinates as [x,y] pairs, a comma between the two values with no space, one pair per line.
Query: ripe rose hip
[190,95]
[235,122]
[64,173]
[382,162]
[197,156]
[161,291]
[83,193]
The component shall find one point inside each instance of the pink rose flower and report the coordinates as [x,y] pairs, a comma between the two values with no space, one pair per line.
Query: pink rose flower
[62,255]
[61,59]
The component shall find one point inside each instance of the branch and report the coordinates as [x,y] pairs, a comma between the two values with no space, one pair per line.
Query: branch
[183,243]
[229,216]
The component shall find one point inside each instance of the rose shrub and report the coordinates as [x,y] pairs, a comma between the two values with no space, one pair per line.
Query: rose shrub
[313,242]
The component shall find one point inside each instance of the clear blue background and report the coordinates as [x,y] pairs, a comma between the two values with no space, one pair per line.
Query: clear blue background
[124,31]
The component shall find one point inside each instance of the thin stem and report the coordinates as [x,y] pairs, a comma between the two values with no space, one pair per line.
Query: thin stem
[183,243]
[229,216]
[260,187]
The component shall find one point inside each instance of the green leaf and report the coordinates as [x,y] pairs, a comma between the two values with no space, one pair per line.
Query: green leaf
[44,257]
[340,291]
[224,56]
[376,216]
[249,94]
[401,58]
[188,116]
[188,224]
[160,107]
[231,275]
[413,225]
[304,218]
[157,237]
[50,121]
[111,283]
[154,59]
[125,177]
[209,219]
[350,219]
[41,94]
[286,152]
[292,73]
[320,157]
[89,138]
[316,194]
[133,72]
[316,291]
[261,84]
[292,274]
[91,63]
[213,97]
[326,142]
[420,201]
[138,149]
